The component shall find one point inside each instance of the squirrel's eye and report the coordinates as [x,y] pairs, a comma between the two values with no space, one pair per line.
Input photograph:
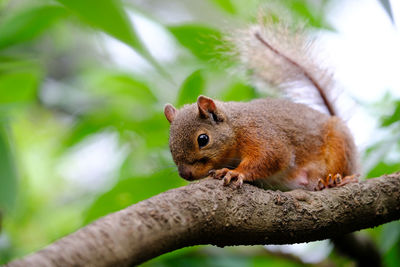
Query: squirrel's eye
[202,140]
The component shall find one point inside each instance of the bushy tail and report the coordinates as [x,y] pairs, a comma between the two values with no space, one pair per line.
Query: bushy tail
[285,57]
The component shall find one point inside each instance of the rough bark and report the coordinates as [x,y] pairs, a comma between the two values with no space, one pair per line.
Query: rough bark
[208,213]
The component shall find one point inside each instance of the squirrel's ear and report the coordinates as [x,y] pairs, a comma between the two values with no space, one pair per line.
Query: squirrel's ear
[208,108]
[169,112]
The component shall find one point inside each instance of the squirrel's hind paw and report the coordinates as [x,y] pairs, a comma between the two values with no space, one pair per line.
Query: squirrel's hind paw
[335,181]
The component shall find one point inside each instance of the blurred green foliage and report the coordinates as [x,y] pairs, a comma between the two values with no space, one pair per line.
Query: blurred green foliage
[28,23]
[8,175]
[82,135]
[191,88]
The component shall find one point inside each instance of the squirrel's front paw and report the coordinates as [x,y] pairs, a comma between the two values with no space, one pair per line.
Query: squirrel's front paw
[228,175]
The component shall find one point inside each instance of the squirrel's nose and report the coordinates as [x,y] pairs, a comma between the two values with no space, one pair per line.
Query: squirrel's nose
[185,172]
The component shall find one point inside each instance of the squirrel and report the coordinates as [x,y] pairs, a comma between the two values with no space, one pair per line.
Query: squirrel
[271,142]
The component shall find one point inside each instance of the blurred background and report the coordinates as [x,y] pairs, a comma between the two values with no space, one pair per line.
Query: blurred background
[83,84]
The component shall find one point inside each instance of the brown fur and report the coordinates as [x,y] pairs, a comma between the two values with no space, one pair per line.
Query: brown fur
[271,142]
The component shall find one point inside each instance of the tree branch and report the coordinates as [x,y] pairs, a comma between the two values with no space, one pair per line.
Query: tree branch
[208,213]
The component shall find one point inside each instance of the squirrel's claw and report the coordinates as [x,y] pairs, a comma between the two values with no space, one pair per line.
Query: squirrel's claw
[227,178]
[228,175]
[335,181]
[239,181]
[320,185]
[218,174]
[348,179]
[233,175]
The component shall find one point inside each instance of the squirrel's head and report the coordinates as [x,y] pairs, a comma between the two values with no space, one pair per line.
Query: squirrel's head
[201,138]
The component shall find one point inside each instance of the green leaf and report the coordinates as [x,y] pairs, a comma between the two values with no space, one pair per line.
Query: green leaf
[154,130]
[83,128]
[191,88]
[8,174]
[124,96]
[395,117]
[132,190]
[307,11]
[110,17]
[28,24]
[239,92]
[118,100]
[125,86]
[272,260]
[8,63]
[390,235]
[226,5]
[18,86]
[392,257]
[383,168]
[203,42]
